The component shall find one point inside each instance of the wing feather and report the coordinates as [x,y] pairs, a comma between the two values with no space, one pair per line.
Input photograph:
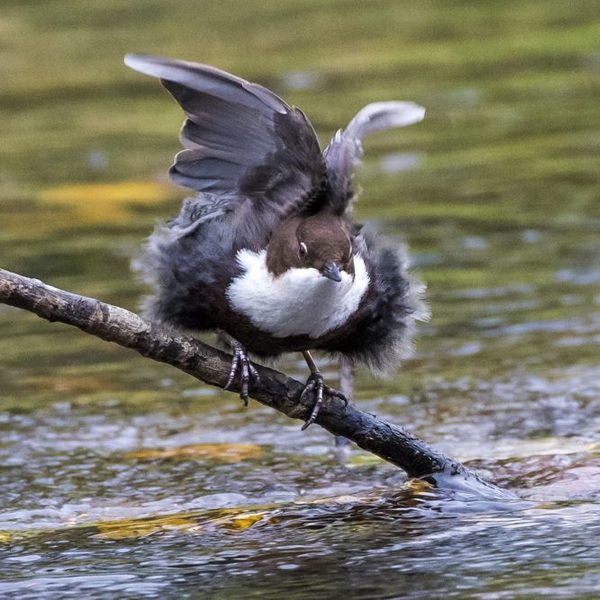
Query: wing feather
[345,149]
[241,142]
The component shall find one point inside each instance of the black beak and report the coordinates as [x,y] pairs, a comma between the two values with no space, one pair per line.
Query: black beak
[331,271]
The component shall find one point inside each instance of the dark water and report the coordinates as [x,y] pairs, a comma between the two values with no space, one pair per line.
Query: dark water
[122,478]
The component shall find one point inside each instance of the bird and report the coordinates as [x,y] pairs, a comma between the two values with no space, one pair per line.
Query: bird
[266,252]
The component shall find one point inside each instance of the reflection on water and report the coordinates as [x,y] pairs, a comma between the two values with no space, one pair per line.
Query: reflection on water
[124,478]
[378,551]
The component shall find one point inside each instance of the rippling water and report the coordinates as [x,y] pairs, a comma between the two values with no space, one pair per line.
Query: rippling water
[123,478]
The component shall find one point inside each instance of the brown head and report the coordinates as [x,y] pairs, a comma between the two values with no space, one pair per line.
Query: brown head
[322,241]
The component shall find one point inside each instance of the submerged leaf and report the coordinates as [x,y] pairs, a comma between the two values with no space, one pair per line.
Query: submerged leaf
[137,528]
[5,537]
[222,452]
[242,520]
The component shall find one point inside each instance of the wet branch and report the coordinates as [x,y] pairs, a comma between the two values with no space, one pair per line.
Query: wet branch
[114,324]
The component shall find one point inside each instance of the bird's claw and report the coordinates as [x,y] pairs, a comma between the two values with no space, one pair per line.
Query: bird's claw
[240,363]
[316,385]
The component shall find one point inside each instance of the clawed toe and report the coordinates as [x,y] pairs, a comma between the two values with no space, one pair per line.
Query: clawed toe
[315,385]
[329,391]
[241,365]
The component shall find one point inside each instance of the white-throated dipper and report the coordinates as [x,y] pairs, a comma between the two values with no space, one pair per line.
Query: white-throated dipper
[266,252]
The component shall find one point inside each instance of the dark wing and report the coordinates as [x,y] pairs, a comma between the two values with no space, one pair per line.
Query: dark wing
[345,149]
[242,142]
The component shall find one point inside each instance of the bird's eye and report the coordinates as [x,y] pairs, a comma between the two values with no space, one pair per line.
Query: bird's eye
[303,249]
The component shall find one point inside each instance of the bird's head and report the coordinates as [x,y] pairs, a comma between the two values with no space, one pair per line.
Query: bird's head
[322,242]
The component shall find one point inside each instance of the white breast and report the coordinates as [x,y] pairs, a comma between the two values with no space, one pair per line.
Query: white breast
[299,302]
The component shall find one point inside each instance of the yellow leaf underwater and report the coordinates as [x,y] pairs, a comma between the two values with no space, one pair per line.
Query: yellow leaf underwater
[137,528]
[231,519]
[105,202]
[222,452]
[241,521]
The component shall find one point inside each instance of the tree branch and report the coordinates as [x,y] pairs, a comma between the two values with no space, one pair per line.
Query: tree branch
[114,324]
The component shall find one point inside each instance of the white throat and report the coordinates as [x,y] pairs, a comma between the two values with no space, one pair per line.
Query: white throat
[298,302]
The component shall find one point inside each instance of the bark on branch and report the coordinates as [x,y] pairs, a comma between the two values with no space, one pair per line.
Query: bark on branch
[114,324]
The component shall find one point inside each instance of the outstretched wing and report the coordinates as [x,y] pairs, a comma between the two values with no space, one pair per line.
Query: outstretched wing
[345,149]
[242,143]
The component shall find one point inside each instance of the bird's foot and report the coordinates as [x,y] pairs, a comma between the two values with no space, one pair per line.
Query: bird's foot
[240,364]
[316,386]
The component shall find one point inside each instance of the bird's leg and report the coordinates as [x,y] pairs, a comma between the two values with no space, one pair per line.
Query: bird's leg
[315,384]
[240,363]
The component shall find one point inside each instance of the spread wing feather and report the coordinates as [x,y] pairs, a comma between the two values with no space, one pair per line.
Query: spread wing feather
[242,144]
[345,149]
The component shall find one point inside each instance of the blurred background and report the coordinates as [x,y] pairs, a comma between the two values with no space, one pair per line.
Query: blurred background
[124,477]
